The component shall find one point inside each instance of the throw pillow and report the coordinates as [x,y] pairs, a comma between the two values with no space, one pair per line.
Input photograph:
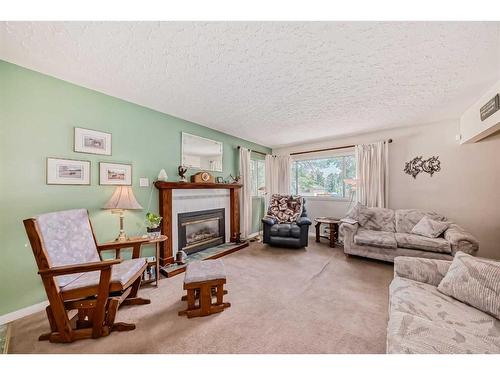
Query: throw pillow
[360,213]
[428,227]
[474,281]
[285,208]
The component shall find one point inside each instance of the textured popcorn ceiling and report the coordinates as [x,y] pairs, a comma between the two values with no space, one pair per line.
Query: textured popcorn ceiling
[274,83]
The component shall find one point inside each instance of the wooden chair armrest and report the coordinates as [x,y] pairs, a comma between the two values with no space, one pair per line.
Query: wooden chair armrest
[121,245]
[79,268]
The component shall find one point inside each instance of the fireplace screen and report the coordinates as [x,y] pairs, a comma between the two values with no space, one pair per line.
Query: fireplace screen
[200,230]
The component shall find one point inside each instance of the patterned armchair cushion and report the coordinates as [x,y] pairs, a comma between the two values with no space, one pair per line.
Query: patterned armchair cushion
[423,320]
[122,275]
[414,241]
[474,281]
[375,238]
[407,219]
[381,219]
[285,208]
[68,239]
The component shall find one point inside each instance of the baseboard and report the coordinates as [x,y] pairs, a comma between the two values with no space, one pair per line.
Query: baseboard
[18,314]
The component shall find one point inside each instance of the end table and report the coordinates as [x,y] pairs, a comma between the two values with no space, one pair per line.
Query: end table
[333,225]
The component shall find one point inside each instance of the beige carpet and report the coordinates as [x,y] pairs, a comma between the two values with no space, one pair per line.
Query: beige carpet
[283,301]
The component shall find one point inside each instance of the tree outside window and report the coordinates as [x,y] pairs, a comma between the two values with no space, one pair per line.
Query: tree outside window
[323,177]
[257,176]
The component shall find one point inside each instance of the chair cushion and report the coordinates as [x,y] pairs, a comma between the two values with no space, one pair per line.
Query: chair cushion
[414,241]
[375,238]
[122,275]
[206,270]
[381,219]
[285,230]
[68,239]
[474,281]
[423,320]
[407,219]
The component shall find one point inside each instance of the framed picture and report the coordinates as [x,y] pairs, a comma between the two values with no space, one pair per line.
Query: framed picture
[115,174]
[68,172]
[219,180]
[92,142]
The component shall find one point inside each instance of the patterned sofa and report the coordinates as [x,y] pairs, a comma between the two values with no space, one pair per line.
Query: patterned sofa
[424,320]
[387,234]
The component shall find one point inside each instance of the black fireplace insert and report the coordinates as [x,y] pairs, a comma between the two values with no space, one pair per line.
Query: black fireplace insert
[200,230]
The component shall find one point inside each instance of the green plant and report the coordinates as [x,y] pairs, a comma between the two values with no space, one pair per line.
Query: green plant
[153,220]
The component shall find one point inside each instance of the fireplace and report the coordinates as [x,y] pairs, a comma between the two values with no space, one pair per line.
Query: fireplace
[200,230]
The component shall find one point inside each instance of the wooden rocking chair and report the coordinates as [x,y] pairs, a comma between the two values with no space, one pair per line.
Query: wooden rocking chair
[76,278]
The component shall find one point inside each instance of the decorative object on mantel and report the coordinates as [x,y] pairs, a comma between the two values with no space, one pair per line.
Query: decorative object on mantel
[417,165]
[234,180]
[68,172]
[153,222]
[162,176]
[490,107]
[204,177]
[122,199]
[182,173]
[92,142]
[219,180]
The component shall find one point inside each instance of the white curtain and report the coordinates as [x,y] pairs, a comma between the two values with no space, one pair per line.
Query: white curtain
[277,175]
[246,194]
[372,174]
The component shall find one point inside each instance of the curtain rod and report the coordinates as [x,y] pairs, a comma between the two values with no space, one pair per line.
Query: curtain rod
[329,149]
[257,152]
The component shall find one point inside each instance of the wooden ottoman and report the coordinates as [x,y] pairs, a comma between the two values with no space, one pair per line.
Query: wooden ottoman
[204,282]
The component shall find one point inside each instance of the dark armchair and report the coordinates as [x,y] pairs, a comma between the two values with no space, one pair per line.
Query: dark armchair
[287,235]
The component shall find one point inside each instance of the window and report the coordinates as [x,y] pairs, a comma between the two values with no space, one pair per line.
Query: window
[258,176]
[323,177]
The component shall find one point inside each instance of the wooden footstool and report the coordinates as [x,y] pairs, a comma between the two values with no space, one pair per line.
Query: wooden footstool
[204,281]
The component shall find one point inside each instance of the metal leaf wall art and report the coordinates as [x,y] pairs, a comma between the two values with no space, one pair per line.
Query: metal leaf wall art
[417,165]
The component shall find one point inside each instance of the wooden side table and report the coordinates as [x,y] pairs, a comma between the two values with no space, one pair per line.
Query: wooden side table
[333,225]
[136,243]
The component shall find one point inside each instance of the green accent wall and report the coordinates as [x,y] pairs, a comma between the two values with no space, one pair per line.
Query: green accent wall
[37,117]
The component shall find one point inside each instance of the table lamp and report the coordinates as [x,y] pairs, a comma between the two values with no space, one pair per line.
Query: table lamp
[122,199]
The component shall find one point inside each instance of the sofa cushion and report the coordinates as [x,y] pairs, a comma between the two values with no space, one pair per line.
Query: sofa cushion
[285,230]
[359,213]
[375,238]
[474,281]
[414,241]
[407,219]
[430,228]
[381,219]
[423,320]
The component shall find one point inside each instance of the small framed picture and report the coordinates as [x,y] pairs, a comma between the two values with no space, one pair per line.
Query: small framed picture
[68,172]
[219,180]
[115,174]
[92,142]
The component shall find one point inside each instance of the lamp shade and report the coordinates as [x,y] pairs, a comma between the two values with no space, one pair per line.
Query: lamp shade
[123,199]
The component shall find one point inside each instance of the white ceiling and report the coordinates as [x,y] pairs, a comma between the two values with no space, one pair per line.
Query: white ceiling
[275,83]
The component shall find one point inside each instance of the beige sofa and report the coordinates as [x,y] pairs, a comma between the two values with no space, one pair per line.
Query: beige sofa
[387,234]
[426,321]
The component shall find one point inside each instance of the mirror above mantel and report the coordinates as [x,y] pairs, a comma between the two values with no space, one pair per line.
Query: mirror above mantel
[201,153]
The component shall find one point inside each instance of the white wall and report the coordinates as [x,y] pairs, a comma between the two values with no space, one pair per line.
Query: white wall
[467,189]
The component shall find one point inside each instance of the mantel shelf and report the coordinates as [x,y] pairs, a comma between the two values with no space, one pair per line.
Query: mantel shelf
[192,185]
